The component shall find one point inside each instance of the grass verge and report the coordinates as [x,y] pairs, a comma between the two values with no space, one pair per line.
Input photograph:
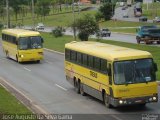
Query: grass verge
[10,105]
[57,44]
[151,10]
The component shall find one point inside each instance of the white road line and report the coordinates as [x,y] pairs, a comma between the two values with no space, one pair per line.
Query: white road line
[27,69]
[117,118]
[49,62]
[53,51]
[61,87]
[2,58]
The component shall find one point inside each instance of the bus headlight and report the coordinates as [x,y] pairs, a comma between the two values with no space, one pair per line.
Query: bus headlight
[21,56]
[154,98]
[120,102]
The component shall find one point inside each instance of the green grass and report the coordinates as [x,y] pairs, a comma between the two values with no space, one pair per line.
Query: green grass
[152,11]
[114,24]
[58,45]
[10,105]
[56,18]
[65,19]
[55,43]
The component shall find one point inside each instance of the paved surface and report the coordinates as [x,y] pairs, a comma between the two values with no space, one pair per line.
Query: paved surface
[130,12]
[129,38]
[46,86]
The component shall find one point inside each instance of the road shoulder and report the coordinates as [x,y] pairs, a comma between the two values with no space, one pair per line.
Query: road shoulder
[31,105]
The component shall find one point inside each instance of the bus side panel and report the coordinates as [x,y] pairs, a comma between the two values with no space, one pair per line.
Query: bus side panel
[10,49]
[93,82]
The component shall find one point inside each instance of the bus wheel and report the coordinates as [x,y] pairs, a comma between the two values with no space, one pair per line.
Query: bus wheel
[142,105]
[81,90]
[77,87]
[7,55]
[38,61]
[17,59]
[106,101]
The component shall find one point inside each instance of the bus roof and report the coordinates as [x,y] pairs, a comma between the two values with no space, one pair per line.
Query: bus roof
[20,32]
[107,51]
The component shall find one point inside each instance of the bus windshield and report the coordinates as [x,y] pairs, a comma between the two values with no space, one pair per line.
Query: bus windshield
[135,71]
[34,42]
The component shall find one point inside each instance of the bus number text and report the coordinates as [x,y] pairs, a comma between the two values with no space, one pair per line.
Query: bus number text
[93,74]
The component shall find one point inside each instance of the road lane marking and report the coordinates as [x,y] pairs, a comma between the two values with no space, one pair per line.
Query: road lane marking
[61,87]
[117,118]
[27,69]
[53,51]
[3,59]
[49,62]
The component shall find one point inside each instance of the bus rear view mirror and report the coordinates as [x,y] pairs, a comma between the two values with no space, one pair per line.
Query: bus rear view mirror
[155,67]
[42,40]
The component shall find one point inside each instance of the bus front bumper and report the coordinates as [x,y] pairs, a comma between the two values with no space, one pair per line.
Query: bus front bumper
[30,59]
[133,101]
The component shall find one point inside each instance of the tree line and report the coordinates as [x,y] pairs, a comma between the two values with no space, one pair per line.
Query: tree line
[42,7]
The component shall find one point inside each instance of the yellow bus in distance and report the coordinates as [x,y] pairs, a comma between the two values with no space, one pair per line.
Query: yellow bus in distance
[117,75]
[22,45]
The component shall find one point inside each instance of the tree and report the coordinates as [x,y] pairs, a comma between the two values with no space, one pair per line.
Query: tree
[107,9]
[16,5]
[43,7]
[86,26]
[98,16]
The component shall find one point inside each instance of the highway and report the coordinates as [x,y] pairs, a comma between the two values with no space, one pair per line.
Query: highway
[45,85]
[115,36]
[119,13]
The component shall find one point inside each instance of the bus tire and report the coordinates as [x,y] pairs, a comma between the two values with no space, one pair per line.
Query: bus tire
[77,87]
[106,100]
[17,59]
[142,105]
[7,55]
[82,90]
[38,61]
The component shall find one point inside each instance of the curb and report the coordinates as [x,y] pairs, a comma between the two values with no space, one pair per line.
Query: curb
[53,51]
[25,100]
[124,33]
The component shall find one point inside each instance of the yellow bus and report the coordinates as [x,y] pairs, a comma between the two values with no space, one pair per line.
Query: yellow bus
[22,45]
[116,75]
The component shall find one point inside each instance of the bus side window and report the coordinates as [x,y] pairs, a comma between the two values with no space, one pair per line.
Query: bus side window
[67,54]
[73,56]
[90,61]
[79,58]
[85,59]
[103,66]
[97,63]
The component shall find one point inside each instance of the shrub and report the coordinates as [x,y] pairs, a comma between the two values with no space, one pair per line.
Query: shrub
[57,32]
[83,36]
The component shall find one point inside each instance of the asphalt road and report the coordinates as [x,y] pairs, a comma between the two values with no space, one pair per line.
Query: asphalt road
[46,86]
[119,13]
[129,38]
